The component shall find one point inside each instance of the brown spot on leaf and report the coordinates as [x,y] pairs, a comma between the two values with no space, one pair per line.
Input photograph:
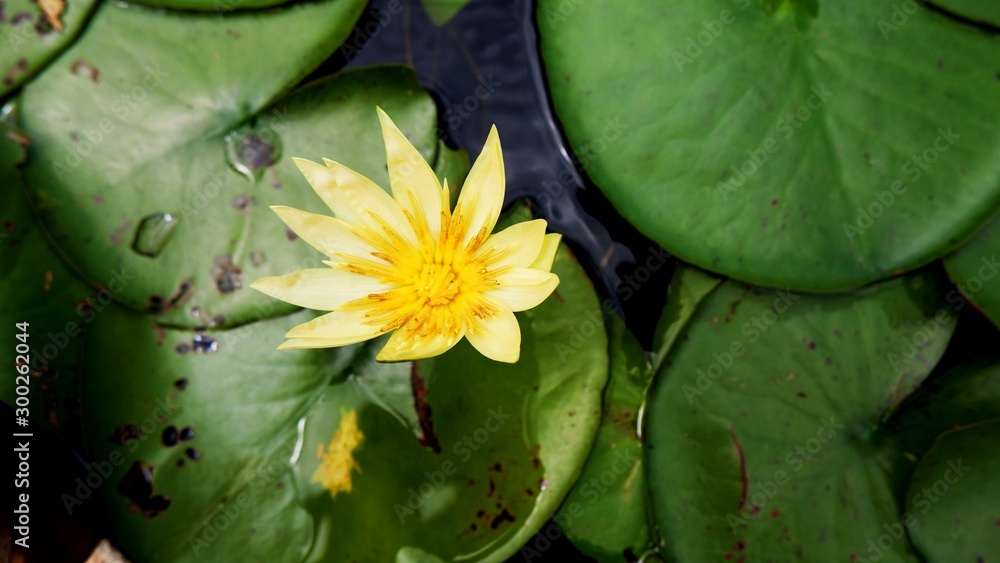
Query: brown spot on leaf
[124,434]
[504,516]
[118,235]
[81,66]
[137,486]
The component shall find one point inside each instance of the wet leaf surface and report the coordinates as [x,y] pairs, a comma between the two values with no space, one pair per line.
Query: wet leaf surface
[816,145]
[152,138]
[770,406]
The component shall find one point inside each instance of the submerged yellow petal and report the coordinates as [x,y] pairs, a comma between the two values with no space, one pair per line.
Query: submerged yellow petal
[550,245]
[356,199]
[415,187]
[481,199]
[523,288]
[337,460]
[497,337]
[323,289]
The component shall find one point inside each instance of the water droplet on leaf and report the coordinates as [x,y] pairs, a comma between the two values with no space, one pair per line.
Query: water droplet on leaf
[250,151]
[154,233]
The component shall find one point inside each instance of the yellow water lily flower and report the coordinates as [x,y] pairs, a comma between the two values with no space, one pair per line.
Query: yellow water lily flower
[409,265]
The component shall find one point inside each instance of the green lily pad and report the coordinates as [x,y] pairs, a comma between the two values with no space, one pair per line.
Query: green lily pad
[37,288]
[390,386]
[226,492]
[606,513]
[813,145]
[965,395]
[189,205]
[688,288]
[954,497]
[769,406]
[31,39]
[441,11]
[980,11]
[219,7]
[511,440]
[975,270]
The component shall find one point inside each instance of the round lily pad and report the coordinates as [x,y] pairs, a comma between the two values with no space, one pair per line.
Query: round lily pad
[953,502]
[816,145]
[770,405]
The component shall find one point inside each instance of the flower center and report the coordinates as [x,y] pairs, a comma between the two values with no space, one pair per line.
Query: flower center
[437,284]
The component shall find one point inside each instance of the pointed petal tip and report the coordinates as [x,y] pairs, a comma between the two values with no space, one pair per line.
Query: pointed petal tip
[300,162]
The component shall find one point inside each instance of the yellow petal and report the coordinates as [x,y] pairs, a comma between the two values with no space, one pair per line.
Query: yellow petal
[328,235]
[304,343]
[482,194]
[344,327]
[523,288]
[324,289]
[517,245]
[415,187]
[497,337]
[548,253]
[403,347]
[354,198]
